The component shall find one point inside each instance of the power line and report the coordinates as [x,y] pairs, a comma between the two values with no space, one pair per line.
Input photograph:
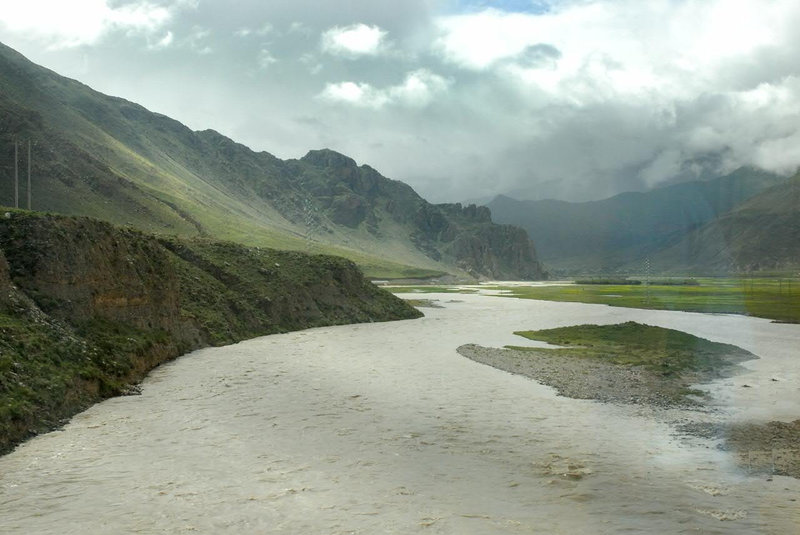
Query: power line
[16,174]
[29,193]
[29,174]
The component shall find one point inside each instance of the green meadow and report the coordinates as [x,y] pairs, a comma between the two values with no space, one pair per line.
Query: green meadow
[664,351]
[772,298]
[776,299]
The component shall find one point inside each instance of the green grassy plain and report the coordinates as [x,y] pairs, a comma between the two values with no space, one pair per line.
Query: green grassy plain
[775,298]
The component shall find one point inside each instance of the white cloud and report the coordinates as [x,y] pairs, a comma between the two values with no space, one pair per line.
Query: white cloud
[357,94]
[417,90]
[265,58]
[79,22]
[164,42]
[589,98]
[197,40]
[755,127]
[354,41]
[300,28]
[626,47]
[264,29]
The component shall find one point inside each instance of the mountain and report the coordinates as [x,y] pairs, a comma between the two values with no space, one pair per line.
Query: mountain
[109,158]
[618,233]
[761,234]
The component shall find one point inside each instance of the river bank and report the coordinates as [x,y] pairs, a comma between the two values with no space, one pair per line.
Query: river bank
[87,309]
[587,379]
[765,448]
[385,428]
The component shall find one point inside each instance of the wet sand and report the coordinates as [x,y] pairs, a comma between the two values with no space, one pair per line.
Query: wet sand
[385,428]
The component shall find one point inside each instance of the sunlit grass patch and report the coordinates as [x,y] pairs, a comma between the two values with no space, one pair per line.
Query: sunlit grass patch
[777,299]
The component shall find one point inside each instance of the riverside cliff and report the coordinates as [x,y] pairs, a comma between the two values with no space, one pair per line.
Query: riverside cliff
[87,309]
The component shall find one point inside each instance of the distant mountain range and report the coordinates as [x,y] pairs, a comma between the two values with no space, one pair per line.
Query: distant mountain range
[761,234]
[745,221]
[111,159]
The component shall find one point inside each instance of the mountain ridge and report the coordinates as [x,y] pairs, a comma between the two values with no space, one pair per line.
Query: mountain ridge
[618,233]
[761,234]
[110,158]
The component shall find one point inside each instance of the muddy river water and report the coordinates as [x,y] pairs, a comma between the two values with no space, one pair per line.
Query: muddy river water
[384,428]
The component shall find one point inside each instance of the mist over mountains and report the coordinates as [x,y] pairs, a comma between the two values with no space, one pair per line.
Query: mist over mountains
[742,222]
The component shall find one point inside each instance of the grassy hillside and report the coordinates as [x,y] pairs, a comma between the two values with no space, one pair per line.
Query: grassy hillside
[114,160]
[619,232]
[86,309]
[762,234]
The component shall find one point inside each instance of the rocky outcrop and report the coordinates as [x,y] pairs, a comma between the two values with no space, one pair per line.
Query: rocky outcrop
[86,308]
[464,236]
[501,252]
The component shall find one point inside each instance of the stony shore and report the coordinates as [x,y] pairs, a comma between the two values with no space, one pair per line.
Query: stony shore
[587,378]
[765,448]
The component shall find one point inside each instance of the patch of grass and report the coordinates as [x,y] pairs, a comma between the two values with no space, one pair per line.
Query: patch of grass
[431,289]
[664,351]
[47,373]
[636,282]
[234,292]
[423,303]
[618,282]
[776,299]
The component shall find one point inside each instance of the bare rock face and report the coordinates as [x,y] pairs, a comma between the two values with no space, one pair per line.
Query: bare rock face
[461,235]
[501,252]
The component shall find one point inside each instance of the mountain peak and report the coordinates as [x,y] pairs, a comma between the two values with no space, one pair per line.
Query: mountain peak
[328,158]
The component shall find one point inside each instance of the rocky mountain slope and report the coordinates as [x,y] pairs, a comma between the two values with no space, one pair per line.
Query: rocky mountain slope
[761,234]
[86,308]
[112,159]
[618,233]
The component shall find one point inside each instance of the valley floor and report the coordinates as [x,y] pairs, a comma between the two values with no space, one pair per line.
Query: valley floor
[385,428]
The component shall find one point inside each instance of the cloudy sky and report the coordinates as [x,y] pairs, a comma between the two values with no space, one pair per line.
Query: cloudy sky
[572,99]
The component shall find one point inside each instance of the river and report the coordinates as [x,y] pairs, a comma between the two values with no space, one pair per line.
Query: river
[384,428]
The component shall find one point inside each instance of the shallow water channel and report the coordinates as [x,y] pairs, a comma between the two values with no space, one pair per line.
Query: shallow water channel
[384,428]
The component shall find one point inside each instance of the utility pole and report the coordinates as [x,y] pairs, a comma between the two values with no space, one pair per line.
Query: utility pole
[29,174]
[16,174]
